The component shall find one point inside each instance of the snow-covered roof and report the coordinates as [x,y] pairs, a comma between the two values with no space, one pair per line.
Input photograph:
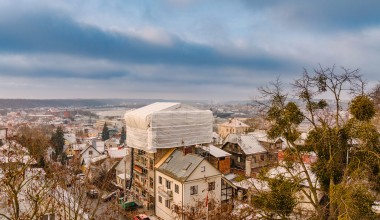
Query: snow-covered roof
[248,143]
[297,170]
[115,152]
[79,146]
[215,151]
[252,183]
[236,123]
[122,175]
[98,158]
[262,136]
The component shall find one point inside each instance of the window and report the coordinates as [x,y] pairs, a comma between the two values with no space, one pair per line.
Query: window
[203,168]
[211,186]
[168,186]
[262,157]
[90,152]
[238,159]
[222,158]
[193,190]
[151,182]
[151,164]
[144,171]
[48,217]
[160,179]
[176,188]
[176,208]
[254,159]
[167,203]
[160,199]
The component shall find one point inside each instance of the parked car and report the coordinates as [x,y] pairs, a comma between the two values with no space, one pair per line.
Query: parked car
[141,217]
[81,176]
[93,193]
[108,197]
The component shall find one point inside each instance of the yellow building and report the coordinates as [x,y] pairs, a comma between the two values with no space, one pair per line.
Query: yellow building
[232,126]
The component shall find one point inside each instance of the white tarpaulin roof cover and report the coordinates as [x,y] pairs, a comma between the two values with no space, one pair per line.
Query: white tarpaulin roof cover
[168,125]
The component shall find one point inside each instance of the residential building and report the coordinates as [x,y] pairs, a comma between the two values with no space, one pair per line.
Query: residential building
[122,172]
[219,158]
[154,130]
[87,154]
[182,181]
[247,153]
[232,126]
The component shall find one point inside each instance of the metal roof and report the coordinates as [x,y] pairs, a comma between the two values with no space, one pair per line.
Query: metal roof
[180,166]
[215,151]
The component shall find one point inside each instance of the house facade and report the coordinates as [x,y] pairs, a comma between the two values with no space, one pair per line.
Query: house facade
[87,154]
[247,153]
[232,126]
[186,184]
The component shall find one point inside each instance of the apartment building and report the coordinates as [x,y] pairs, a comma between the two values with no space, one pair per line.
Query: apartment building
[154,130]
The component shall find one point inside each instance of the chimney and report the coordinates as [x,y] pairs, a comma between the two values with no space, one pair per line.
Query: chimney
[187,150]
[248,166]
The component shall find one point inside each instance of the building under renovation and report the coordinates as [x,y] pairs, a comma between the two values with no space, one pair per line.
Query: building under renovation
[155,129]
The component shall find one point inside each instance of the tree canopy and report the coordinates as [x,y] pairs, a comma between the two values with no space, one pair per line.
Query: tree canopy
[344,145]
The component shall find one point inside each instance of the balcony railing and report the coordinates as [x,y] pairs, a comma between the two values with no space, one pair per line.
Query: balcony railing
[167,194]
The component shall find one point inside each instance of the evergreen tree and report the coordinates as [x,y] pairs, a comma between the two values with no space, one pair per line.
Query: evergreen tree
[105,133]
[123,136]
[347,148]
[58,141]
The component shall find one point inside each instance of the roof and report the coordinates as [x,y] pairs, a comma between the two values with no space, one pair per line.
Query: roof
[122,175]
[215,151]
[98,158]
[297,171]
[262,136]
[252,183]
[79,146]
[84,150]
[115,152]
[179,166]
[236,123]
[138,118]
[248,143]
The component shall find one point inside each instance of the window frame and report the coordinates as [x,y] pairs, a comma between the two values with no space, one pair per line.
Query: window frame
[211,186]
[194,190]
[176,188]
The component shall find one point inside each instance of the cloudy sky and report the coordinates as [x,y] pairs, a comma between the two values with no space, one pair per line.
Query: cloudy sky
[178,49]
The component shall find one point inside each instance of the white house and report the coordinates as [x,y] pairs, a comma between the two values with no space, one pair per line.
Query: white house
[183,181]
[87,154]
[122,171]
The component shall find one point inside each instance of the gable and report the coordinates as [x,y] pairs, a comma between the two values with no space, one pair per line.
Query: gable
[204,169]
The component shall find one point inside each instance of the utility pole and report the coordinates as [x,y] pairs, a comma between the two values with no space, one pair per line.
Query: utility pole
[125,178]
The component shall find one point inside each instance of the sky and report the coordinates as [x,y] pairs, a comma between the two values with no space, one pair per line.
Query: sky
[178,49]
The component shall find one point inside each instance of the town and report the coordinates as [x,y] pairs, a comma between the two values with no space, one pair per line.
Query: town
[164,160]
[189,110]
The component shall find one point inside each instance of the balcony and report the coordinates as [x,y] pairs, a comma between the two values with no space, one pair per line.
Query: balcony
[167,194]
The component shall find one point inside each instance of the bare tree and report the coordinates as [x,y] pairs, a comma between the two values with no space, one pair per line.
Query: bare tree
[331,135]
